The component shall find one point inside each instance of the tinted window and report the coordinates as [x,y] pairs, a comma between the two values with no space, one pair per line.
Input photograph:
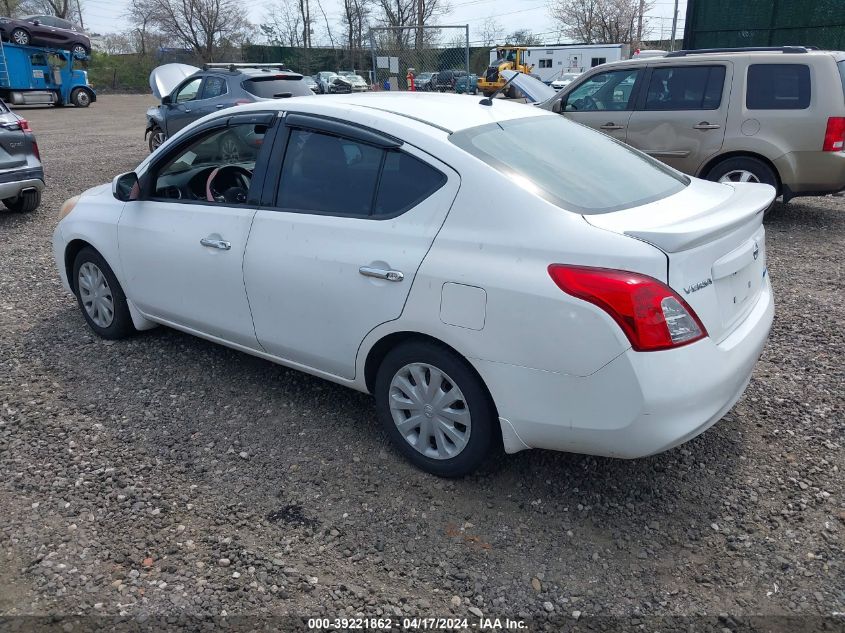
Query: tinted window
[605,91]
[685,88]
[62,24]
[842,74]
[275,86]
[569,165]
[189,90]
[327,174]
[214,87]
[405,182]
[778,87]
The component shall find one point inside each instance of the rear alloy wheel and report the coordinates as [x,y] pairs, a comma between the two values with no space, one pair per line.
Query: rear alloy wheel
[80,98]
[19,37]
[156,138]
[100,296]
[24,202]
[435,409]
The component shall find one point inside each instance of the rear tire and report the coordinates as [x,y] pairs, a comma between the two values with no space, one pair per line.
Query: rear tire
[97,295]
[25,202]
[20,37]
[80,98]
[745,169]
[451,437]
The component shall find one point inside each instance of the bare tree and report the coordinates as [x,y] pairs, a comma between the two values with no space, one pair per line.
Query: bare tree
[490,32]
[600,21]
[407,13]
[204,26]
[354,21]
[66,9]
[523,37]
[282,24]
[141,15]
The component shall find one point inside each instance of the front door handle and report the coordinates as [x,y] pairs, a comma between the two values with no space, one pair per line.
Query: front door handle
[223,245]
[611,126]
[704,125]
[380,273]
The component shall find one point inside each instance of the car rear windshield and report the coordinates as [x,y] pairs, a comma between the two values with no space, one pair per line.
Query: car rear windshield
[570,165]
[274,86]
[842,74]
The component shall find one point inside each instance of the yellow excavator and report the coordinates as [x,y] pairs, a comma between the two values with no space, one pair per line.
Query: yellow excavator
[507,58]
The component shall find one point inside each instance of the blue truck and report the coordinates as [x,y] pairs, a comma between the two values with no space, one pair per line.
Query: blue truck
[35,75]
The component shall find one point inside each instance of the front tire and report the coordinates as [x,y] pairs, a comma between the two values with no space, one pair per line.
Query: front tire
[100,296]
[80,98]
[435,408]
[79,51]
[24,202]
[156,138]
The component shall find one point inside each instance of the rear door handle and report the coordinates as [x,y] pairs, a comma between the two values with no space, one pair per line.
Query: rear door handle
[380,273]
[704,125]
[223,245]
[611,126]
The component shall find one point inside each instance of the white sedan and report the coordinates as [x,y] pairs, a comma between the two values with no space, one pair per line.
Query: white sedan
[495,275]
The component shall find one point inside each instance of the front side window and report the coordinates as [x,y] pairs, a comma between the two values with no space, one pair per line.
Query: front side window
[189,91]
[605,91]
[569,165]
[778,87]
[328,174]
[214,87]
[685,88]
[216,167]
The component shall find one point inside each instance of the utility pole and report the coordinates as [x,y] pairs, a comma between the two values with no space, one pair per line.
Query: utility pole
[420,22]
[79,10]
[639,42]
[674,27]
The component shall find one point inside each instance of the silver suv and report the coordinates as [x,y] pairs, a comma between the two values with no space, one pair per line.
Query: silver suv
[772,115]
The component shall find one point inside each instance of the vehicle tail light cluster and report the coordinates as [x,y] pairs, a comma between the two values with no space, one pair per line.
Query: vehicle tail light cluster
[834,135]
[650,313]
[35,150]
[24,125]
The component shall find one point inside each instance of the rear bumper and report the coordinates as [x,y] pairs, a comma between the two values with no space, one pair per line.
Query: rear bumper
[14,182]
[811,173]
[638,404]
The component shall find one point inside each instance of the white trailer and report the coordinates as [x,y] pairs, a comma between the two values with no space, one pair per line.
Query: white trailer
[550,62]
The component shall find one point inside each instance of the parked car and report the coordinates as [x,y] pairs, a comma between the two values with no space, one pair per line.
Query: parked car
[447,79]
[467,84]
[46,30]
[770,115]
[332,83]
[424,82]
[188,93]
[21,173]
[486,285]
[358,83]
[309,81]
[564,80]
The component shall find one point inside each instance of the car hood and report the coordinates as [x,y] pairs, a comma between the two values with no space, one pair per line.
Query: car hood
[165,78]
[535,91]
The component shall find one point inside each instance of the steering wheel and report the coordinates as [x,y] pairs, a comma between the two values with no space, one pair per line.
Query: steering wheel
[589,103]
[233,180]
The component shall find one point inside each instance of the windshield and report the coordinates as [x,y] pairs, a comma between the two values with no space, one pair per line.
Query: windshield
[570,165]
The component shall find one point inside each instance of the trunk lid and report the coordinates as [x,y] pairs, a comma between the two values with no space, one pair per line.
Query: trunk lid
[713,237]
[15,144]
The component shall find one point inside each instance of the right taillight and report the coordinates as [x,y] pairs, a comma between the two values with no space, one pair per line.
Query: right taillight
[650,313]
[834,135]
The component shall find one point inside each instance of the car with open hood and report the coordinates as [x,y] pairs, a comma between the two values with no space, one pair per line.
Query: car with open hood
[188,93]
[493,273]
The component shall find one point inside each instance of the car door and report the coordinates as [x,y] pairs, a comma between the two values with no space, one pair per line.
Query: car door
[183,102]
[334,253]
[182,256]
[42,31]
[604,101]
[681,113]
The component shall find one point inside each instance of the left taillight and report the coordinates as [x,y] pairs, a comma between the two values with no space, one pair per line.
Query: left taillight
[651,314]
[24,125]
[834,135]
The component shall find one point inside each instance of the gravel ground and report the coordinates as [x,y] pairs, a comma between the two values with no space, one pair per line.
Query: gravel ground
[165,475]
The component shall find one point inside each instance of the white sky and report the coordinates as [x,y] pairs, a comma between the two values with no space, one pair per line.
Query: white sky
[106,16]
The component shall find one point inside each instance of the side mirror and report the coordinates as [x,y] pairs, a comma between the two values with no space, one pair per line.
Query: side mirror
[125,187]
[37,22]
[557,106]
[166,100]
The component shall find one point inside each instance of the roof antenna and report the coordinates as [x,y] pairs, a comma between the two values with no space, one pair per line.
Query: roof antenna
[488,101]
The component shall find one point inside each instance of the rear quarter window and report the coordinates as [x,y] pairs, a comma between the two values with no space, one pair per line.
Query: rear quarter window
[778,87]
[841,66]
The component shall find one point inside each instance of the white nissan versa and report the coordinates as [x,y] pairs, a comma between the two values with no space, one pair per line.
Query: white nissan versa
[492,273]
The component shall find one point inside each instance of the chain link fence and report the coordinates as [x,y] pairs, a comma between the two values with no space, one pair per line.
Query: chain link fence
[425,58]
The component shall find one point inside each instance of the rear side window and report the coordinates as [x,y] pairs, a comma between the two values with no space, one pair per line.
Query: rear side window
[405,182]
[778,87]
[569,165]
[842,74]
[276,86]
[331,175]
[214,87]
[685,88]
